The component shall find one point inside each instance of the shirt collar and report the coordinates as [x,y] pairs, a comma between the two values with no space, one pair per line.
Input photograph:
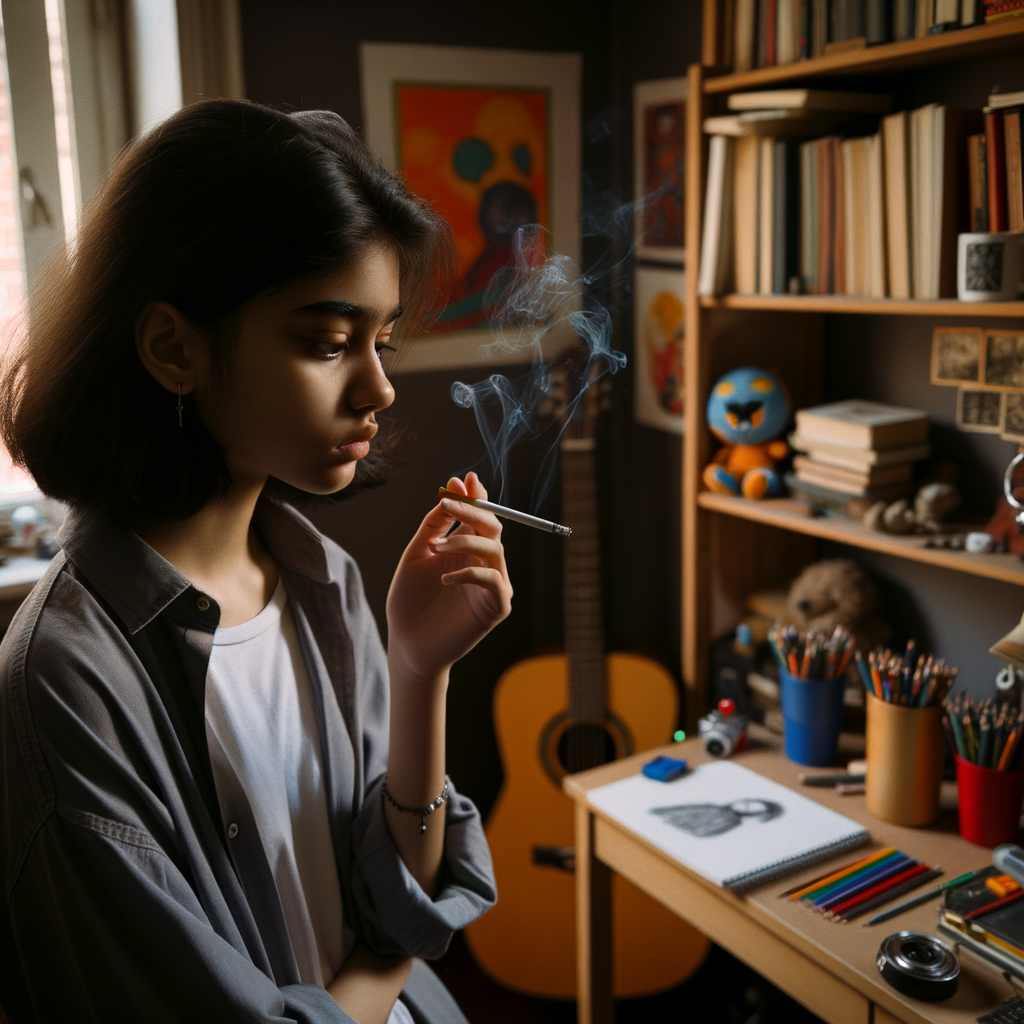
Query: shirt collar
[139,584]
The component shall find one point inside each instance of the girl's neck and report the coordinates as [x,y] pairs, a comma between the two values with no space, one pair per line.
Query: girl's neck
[221,553]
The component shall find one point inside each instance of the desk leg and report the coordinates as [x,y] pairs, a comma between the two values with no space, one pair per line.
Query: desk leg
[593,927]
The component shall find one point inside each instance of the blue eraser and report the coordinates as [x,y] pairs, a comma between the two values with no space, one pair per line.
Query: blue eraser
[664,769]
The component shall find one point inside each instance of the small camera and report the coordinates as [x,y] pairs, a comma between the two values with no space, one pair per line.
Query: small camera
[723,731]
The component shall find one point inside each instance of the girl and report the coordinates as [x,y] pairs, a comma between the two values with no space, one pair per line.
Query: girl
[221,799]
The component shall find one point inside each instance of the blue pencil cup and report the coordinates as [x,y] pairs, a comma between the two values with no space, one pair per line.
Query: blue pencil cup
[812,712]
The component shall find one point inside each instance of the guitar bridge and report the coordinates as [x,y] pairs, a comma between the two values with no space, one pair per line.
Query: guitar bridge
[561,857]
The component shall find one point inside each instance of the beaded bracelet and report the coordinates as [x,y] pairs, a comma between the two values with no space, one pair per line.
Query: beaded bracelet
[421,811]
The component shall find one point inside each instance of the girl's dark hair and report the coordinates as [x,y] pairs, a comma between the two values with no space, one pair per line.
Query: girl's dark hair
[218,203]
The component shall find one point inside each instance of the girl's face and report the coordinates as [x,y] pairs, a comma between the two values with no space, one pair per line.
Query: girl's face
[306,382]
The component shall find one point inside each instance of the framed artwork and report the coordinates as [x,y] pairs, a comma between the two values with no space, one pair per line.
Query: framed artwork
[659,133]
[658,348]
[491,139]
[956,355]
[1013,418]
[980,412]
[1004,360]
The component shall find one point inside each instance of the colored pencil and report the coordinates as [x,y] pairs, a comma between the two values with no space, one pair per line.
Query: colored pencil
[914,883]
[867,882]
[997,905]
[840,872]
[889,883]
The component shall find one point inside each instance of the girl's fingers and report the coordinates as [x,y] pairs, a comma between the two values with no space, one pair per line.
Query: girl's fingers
[490,580]
[490,551]
[484,523]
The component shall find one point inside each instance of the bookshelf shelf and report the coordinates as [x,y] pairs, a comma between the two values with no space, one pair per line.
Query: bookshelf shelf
[788,514]
[849,304]
[965,44]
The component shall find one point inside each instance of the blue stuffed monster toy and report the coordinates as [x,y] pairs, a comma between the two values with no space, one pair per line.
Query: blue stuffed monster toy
[748,409]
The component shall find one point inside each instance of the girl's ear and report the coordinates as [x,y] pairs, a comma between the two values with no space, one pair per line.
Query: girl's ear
[171,349]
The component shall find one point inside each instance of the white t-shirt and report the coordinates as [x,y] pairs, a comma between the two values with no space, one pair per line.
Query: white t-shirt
[261,709]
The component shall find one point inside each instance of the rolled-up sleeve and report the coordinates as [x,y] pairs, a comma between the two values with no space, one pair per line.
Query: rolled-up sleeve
[403,918]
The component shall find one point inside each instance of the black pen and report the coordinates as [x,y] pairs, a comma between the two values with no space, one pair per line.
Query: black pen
[924,897]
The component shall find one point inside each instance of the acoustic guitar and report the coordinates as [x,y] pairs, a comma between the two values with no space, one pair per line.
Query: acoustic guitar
[559,714]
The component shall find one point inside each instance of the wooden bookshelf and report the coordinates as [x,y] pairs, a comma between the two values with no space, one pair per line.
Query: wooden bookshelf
[787,514]
[850,304]
[965,44]
[732,546]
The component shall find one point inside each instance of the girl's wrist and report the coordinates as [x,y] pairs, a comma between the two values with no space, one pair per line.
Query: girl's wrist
[415,680]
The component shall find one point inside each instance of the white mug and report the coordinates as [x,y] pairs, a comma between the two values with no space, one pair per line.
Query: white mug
[990,267]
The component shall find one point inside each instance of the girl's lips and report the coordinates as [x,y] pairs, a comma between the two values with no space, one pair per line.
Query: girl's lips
[357,448]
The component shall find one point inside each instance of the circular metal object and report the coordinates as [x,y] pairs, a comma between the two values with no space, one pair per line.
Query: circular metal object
[1008,485]
[919,965]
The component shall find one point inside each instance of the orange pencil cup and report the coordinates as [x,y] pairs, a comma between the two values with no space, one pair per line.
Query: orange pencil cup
[990,803]
[905,754]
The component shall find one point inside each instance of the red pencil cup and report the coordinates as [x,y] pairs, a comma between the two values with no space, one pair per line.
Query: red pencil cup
[990,803]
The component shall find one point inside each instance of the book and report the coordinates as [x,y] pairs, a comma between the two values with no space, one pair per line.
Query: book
[809,217]
[922,169]
[806,41]
[825,495]
[769,10]
[766,211]
[743,35]
[947,12]
[904,20]
[729,824]
[923,17]
[716,244]
[858,423]
[857,459]
[787,32]
[858,480]
[1005,99]
[745,214]
[877,21]
[855,216]
[996,163]
[827,151]
[761,57]
[977,182]
[840,225]
[847,20]
[811,99]
[875,242]
[786,216]
[969,10]
[1014,183]
[897,190]
[819,27]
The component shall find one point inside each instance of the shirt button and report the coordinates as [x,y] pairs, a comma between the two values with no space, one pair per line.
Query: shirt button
[232,830]
[203,604]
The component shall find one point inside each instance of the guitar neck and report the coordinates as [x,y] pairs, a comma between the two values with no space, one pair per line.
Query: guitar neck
[584,625]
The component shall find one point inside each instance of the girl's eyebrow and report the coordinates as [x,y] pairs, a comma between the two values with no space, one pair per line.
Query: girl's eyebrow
[339,307]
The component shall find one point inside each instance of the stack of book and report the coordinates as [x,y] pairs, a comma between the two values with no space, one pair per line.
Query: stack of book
[859,449]
[874,216]
[994,165]
[762,33]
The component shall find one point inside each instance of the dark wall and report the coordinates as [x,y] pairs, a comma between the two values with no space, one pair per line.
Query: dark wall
[302,54]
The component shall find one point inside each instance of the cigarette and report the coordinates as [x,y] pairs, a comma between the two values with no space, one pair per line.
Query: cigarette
[508,513]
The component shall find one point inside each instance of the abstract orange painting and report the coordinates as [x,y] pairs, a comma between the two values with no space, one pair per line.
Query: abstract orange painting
[482,157]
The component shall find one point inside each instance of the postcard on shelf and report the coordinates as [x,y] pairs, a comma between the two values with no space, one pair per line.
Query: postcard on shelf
[658,347]
[956,356]
[979,412]
[858,423]
[729,824]
[1013,418]
[1004,360]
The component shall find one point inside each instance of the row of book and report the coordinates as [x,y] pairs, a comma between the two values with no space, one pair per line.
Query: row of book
[874,215]
[994,166]
[769,32]
[858,448]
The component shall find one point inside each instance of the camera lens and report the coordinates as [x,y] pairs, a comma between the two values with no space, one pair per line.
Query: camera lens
[715,747]
[919,965]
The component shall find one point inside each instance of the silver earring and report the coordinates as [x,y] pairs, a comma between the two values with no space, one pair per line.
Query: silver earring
[179,403]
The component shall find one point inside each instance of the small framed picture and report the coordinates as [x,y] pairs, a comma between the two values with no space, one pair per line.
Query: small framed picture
[1003,365]
[658,303]
[956,355]
[1013,418]
[659,134]
[980,412]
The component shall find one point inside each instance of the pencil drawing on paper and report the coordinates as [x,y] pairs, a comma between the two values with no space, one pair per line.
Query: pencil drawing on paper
[706,820]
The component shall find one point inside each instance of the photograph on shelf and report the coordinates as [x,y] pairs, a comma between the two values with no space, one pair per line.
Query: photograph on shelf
[1013,418]
[659,131]
[956,355]
[980,412]
[491,139]
[658,348]
[1004,359]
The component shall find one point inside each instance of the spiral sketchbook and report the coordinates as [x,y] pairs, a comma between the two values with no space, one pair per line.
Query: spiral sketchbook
[729,824]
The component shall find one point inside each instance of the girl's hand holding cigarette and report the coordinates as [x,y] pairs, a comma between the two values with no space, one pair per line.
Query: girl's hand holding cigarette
[448,592]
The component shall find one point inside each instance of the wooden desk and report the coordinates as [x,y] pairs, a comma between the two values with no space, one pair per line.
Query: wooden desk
[828,967]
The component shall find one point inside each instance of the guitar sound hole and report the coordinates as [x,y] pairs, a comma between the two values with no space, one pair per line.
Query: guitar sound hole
[585,746]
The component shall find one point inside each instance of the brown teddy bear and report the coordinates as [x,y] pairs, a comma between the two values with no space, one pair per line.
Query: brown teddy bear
[837,592]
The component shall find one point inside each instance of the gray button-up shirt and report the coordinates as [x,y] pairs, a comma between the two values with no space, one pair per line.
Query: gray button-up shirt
[128,896]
